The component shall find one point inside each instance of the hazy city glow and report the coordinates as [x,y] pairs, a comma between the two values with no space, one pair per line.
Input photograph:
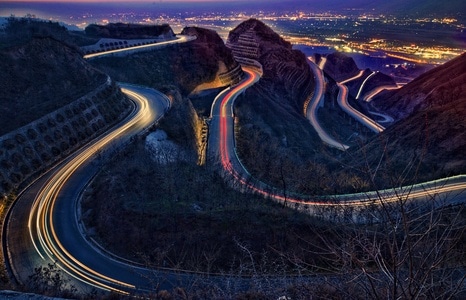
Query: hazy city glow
[346,30]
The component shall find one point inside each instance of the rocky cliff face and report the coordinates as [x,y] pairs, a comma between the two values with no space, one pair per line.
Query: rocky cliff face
[209,44]
[184,127]
[340,66]
[285,71]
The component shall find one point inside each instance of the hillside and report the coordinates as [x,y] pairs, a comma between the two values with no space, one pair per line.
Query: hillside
[184,216]
[39,77]
[129,31]
[204,63]
[437,87]
[340,67]
[279,95]
[285,71]
[429,140]
[186,65]
[273,135]
[52,101]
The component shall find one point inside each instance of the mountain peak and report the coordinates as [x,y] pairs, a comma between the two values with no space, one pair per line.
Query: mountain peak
[260,30]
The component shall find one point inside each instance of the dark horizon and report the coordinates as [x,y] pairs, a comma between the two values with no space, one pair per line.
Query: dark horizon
[406,7]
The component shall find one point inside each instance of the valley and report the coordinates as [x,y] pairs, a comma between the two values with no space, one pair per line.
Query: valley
[280,129]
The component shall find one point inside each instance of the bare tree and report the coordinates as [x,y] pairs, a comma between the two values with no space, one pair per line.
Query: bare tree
[416,252]
[50,281]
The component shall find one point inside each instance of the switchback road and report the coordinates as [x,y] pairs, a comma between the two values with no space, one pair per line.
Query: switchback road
[43,226]
[313,104]
[356,114]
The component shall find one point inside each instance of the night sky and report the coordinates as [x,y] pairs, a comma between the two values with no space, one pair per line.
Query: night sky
[454,8]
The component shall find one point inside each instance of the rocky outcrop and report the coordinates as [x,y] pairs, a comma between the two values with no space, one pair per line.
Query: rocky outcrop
[184,127]
[340,66]
[285,71]
[210,43]
[129,31]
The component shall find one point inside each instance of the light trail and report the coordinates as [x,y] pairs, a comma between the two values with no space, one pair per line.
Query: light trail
[363,83]
[226,113]
[368,97]
[353,78]
[231,164]
[386,118]
[41,217]
[360,117]
[310,109]
[179,39]
[41,222]
[322,62]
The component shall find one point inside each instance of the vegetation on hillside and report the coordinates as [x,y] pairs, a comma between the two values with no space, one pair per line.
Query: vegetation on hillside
[185,217]
[128,31]
[19,31]
[428,141]
[185,65]
[40,73]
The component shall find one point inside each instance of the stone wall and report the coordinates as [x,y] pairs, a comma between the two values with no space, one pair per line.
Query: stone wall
[32,149]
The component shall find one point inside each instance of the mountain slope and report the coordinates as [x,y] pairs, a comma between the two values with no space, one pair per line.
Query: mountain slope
[273,135]
[39,77]
[340,67]
[439,86]
[429,140]
[188,65]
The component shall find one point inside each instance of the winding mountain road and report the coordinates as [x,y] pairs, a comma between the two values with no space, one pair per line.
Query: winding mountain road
[312,106]
[359,75]
[370,95]
[43,226]
[222,146]
[364,83]
[124,51]
[356,114]
[222,120]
